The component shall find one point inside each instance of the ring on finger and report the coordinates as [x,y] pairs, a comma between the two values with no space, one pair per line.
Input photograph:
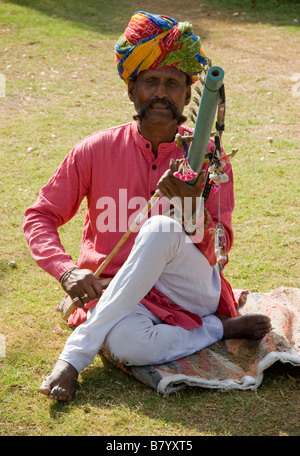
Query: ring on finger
[75,299]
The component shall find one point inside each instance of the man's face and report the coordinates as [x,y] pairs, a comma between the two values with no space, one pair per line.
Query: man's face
[160,96]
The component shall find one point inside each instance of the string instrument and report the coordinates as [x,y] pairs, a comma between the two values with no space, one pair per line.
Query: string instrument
[195,155]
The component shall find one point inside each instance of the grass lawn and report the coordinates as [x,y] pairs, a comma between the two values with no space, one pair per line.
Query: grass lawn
[61,85]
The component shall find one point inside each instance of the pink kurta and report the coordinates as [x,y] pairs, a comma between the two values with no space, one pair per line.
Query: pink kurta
[117,172]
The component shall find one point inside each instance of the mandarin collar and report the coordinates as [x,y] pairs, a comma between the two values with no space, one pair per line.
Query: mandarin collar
[146,147]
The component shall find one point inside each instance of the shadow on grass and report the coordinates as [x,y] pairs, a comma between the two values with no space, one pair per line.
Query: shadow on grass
[94,15]
[200,410]
[273,12]
[112,17]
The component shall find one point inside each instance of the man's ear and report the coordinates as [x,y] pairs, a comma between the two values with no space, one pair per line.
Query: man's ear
[188,95]
[130,89]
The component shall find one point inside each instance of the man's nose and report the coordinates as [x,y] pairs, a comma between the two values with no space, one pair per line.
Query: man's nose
[161,90]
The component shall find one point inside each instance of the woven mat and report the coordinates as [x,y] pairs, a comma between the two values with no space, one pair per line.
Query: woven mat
[235,363]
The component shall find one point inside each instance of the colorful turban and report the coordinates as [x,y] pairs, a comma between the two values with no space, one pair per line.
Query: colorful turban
[151,42]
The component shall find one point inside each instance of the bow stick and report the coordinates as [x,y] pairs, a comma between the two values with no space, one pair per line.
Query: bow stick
[196,154]
[69,306]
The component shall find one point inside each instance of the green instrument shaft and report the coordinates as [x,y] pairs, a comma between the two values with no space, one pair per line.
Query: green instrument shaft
[205,118]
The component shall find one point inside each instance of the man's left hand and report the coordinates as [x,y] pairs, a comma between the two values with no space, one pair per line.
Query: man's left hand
[172,187]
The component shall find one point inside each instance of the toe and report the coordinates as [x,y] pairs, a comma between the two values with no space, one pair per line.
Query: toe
[59,394]
[45,387]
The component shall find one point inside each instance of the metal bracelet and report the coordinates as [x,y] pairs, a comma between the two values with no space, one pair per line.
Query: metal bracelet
[67,274]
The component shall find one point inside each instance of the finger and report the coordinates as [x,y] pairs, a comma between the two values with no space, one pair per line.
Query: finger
[96,289]
[200,180]
[93,288]
[82,295]
[89,294]
[76,301]
[173,166]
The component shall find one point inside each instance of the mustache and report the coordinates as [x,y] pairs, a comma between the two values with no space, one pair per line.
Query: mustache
[141,113]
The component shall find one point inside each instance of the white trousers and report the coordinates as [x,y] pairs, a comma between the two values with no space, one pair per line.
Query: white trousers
[164,257]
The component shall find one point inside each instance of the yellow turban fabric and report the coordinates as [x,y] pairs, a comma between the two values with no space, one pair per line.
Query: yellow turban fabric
[151,42]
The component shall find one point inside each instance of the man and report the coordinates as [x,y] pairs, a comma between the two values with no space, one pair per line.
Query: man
[166,298]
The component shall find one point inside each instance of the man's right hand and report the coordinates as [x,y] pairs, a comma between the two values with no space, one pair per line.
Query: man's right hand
[82,284]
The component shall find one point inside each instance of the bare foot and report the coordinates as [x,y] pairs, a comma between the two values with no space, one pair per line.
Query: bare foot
[60,385]
[246,327]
